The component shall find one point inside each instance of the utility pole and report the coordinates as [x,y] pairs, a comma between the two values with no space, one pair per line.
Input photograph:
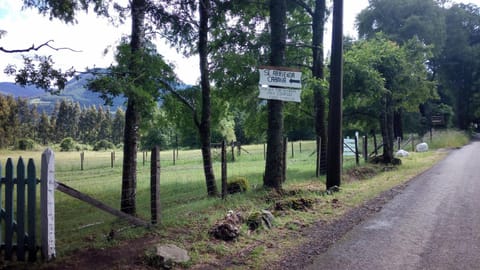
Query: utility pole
[335,140]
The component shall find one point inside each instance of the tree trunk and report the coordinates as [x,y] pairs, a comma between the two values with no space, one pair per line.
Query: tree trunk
[318,25]
[206,118]
[274,160]
[129,175]
[132,116]
[386,125]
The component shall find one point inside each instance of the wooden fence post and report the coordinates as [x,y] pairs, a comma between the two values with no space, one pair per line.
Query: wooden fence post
[319,150]
[375,144]
[233,151]
[82,158]
[284,167]
[293,154]
[357,160]
[174,156]
[300,146]
[264,151]
[155,185]
[47,204]
[112,158]
[239,148]
[413,143]
[365,148]
[224,170]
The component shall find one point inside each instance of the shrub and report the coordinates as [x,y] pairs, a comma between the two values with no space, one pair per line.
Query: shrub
[25,144]
[67,144]
[237,184]
[103,145]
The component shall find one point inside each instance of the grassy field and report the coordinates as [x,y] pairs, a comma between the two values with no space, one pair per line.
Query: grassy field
[183,193]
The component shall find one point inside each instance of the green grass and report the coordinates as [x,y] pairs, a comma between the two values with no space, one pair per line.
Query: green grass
[187,213]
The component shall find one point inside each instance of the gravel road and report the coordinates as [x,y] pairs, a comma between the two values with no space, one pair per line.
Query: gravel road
[433,224]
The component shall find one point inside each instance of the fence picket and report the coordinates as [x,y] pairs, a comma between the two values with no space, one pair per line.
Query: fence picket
[32,208]
[8,209]
[20,210]
[1,209]
[14,225]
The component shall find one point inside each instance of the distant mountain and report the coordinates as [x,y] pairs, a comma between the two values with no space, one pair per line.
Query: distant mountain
[7,88]
[75,91]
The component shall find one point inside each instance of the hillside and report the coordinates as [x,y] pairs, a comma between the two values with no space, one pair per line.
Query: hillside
[75,91]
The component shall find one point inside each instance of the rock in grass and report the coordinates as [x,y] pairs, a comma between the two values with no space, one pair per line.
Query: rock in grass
[260,219]
[166,256]
[421,147]
[402,153]
[228,228]
[298,204]
[237,185]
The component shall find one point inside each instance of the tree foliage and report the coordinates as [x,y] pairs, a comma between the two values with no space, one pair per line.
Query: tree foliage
[381,78]
[21,120]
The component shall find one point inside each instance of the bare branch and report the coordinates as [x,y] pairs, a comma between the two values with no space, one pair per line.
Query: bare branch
[36,48]
[300,45]
[300,65]
[183,100]
[304,5]
[289,29]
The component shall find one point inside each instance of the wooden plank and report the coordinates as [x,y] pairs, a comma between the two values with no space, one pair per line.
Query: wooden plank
[8,209]
[47,204]
[20,210]
[31,210]
[85,198]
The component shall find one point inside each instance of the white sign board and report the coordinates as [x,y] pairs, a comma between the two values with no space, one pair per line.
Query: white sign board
[284,94]
[348,147]
[282,78]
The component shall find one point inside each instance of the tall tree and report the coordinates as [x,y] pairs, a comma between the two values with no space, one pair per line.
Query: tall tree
[118,126]
[44,129]
[273,177]
[134,90]
[177,21]
[381,77]
[459,64]
[401,21]
[318,15]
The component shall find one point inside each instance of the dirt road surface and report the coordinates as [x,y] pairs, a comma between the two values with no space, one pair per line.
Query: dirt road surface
[433,224]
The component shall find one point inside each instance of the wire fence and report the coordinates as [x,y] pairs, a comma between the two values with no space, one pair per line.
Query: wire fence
[182,184]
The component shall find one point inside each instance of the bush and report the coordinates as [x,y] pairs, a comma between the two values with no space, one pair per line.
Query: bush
[103,145]
[25,144]
[237,184]
[67,144]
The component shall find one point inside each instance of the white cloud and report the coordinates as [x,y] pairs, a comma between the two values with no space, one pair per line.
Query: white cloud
[93,34]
